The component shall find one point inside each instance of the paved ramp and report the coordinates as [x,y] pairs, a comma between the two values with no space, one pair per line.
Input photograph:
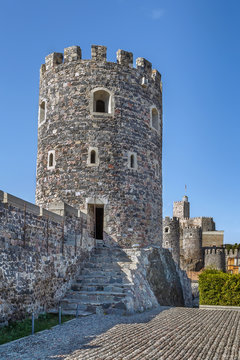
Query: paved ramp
[172,333]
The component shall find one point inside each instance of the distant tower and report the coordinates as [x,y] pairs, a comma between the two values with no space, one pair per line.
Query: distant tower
[181,209]
[171,237]
[192,248]
[100,143]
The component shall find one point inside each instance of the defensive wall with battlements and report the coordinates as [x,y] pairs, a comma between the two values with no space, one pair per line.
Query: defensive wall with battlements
[222,259]
[40,253]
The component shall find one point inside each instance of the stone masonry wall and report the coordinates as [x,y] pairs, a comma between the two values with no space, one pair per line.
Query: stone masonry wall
[39,256]
[192,253]
[215,258]
[171,237]
[132,198]
[218,258]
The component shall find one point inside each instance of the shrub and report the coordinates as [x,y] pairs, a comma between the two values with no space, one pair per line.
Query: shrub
[219,288]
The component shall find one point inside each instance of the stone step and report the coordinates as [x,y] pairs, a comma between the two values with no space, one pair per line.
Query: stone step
[105,272]
[100,279]
[109,252]
[92,306]
[102,296]
[99,287]
[103,266]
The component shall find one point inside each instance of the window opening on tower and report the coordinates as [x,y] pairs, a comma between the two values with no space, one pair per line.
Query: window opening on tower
[132,162]
[93,157]
[100,106]
[42,112]
[155,119]
[101,101]
[50,163]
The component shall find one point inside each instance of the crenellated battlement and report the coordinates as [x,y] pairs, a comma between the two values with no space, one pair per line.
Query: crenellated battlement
[168,218]
[192,227]
[214,251]
[229,253]
[99,55]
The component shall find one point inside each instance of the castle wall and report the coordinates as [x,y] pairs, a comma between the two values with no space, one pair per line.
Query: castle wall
[212,238]
[206,223]
[171,237]
[40,253]
[132,197]
[215,258]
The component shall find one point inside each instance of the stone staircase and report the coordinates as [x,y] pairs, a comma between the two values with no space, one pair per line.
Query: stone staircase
[101,287]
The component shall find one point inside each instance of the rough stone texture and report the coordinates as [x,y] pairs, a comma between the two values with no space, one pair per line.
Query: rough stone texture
[39,256]
[181,209]
[166,334]
[163,277]
[212,238]
[215,258]
[171,237]
[152,271]
[132,198]
[220,258]
[192,249]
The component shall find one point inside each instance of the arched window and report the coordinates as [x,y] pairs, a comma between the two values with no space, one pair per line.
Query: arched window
[132,160]
[100,106]
[50,160]
[101,101]
[93,157]
[42,112]
[154,119]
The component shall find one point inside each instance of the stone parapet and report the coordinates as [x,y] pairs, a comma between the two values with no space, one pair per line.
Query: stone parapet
[99,54]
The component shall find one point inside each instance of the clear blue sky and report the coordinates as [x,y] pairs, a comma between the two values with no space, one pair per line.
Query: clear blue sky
[193,43]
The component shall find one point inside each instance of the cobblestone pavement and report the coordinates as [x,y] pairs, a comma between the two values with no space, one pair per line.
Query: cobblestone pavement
[166,333]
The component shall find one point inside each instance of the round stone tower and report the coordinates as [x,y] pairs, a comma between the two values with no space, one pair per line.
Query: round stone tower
[214,258]
[100,143]
[171,237]
[192,248]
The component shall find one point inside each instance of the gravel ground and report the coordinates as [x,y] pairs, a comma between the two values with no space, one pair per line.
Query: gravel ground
[165,333]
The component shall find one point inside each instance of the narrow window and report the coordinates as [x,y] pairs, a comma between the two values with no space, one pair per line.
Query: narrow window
[51,160]
[93,157]
[42,112]
[166,230]
[50,163]
[155,119]
[100,106]
[132,162]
